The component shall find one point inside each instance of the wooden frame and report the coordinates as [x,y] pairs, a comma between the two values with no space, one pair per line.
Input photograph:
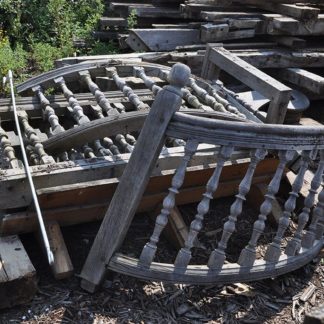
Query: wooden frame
[217,58]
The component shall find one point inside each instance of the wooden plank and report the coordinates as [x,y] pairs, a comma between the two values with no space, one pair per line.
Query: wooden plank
[304,79]
[315,315]
[18,283]
[135,178]
[292,10]
[62,267]
[167,39]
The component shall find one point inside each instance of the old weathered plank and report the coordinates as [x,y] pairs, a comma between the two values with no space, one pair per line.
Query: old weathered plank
[18,283]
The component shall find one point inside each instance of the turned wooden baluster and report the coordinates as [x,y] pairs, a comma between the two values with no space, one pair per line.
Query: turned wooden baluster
[319,212]
[294,244]
[217,257]
[107,142]
[33,157]
[50,115]
[213,92]
[121,142]
[76,109]
[127,91]
[310,235]
[8,150]
[139,72]
[203,94]
[184,255]
[186,94]
[248,254]
[273,252]
[34,139]
[99,95]
[80,118]
[131,140]
[149,249]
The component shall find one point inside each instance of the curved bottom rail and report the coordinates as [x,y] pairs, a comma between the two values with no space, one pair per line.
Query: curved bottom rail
[202,275]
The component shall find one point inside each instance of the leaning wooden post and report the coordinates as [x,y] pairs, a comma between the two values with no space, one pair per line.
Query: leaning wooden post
[134,179]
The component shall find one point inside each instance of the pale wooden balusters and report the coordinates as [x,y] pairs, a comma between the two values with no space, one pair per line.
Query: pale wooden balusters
[184,255]
[48,112]
[130,139]
[81,118]
[273,252]
[294,244]
[248,254]
[101,150]
[33,157]
[88,151]
[50,115]
[8,150]
[186,94]
[139,72]
[33,139]
[76,109]
[127,91]
[101,99]
[150,248]
[122,143]
[212,91]
[309,237]
[203,94]
[107,142]
[217,257]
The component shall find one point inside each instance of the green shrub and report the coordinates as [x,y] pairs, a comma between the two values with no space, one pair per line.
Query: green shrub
[103,48]
[132,19]
[12,59]
[44,55]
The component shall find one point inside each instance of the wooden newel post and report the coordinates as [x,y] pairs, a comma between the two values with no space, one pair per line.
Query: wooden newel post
[134,179]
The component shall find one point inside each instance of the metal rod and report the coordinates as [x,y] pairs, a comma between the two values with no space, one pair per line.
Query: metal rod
[49,252]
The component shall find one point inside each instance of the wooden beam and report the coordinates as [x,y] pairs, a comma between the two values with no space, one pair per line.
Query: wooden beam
[18,282]
[62,267]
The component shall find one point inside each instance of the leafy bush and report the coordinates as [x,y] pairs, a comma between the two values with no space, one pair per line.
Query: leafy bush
[132,19]
[11,59]
[44,55]
[56,22]
[102,48]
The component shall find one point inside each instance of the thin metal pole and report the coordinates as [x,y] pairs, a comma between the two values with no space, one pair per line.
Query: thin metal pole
[49,252]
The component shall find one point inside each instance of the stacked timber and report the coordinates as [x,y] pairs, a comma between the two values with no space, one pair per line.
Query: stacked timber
[123,14]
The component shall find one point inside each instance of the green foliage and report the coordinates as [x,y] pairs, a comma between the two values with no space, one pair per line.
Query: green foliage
[43,56]
[56,22]
[12,59]
[132,19]
[102,48]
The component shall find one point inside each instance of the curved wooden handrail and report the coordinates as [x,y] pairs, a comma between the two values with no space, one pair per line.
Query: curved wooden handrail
[248,135]
[112,125]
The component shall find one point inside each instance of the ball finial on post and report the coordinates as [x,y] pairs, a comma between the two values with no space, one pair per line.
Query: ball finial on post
[179,75]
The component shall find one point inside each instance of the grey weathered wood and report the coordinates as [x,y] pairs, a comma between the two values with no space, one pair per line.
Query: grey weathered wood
[119,214]
[150,248]
[217,257]
[255,79]
[18,283]
[248,254]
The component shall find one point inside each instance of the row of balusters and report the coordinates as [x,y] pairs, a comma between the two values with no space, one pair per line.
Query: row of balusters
[301,238]
[207,100]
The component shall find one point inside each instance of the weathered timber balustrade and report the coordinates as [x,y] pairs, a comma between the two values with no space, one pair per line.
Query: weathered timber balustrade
[50,115]
[127,91]
[33,139]
[99,95]
[8,150]
[164,121]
